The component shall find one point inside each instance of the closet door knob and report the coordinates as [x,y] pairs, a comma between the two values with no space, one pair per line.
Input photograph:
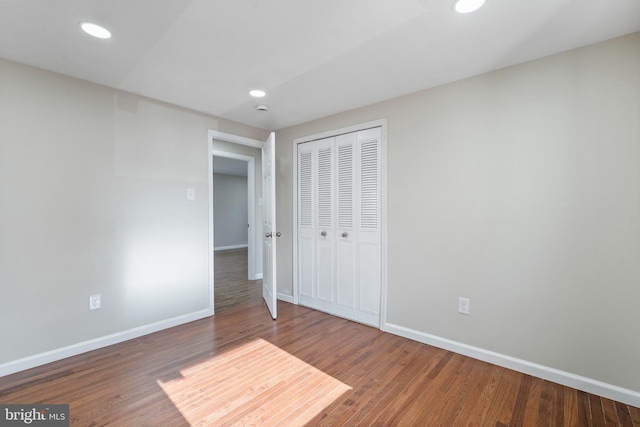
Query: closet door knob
[323,233]
[345,234]
[268,234]
[278,234]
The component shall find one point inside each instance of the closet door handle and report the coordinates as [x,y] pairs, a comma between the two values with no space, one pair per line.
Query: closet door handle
[345,234]
[278,234]
[268,234]
[323,233]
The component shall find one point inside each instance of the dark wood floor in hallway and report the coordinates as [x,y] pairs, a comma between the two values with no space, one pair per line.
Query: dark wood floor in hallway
[307,368]
[231,285]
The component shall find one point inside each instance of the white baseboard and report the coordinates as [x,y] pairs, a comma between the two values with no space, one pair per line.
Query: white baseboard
[96,343]
[610,391]
[226,248]
[285,298]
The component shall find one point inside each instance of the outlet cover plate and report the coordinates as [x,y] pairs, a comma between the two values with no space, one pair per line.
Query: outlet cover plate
[464,305]
[95,302]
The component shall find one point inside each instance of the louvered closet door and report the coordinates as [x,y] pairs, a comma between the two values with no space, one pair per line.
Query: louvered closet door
[339,225]
[316,229]
[369,229]
[347,233]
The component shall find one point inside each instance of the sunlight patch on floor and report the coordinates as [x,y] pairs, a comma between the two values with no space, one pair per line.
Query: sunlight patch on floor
[254,384]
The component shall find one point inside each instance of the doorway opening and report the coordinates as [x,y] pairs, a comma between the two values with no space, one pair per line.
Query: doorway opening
[237,283]
[250,153]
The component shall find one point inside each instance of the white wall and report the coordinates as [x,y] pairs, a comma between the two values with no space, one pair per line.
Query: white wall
[519,189]
[230,210]
[93,200]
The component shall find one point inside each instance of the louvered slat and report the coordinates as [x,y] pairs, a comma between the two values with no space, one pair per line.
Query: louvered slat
[369,185]
[325,177]
[345,186]
[305,198]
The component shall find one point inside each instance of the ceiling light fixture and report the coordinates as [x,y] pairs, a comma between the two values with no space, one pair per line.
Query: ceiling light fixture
[257,93]
[95,30]
[262,107]
[467,6]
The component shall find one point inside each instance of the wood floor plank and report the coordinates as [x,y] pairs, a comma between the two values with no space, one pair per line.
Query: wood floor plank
[634,413]
[441,381]
[505,410]
[408,380]
[597,412]
[460,395]
[517,417]
[558,405]
[437,404]
[232,287]
[570,407]
[481,397]
[487,409]
[546,409]
[624,415]
[610,414]
[584,409]
[366,379]
[531,412]
[383,382]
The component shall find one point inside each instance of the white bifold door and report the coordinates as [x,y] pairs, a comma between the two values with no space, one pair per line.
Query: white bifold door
[339,250]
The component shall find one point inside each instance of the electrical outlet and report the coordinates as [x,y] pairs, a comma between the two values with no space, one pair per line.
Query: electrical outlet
[95,302]
[464,305]
[191,194]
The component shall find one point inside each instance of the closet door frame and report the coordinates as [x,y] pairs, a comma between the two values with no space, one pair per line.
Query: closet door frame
[382,124]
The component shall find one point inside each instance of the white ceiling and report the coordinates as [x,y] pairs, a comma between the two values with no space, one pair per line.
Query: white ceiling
[313,58]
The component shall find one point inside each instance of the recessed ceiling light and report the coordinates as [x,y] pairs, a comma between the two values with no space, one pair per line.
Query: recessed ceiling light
[466,6]
[95,30]
[257,93]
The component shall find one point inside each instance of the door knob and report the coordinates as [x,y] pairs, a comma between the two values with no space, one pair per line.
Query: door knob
[324,233]
[278,234]
[345,234]
[269,234]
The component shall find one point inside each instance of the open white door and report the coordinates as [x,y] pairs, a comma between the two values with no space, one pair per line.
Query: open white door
[269,226]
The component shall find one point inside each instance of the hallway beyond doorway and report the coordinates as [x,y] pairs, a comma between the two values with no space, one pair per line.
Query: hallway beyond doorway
[232,289]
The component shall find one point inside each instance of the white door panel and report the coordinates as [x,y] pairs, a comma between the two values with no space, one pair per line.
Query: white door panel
[306,255]
[346,176]
[269,225]
[324,209]
[324,267]
[369,276]
[345,265]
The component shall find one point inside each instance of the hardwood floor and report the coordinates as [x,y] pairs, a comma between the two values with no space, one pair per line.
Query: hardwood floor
[307,368]
[231,287]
